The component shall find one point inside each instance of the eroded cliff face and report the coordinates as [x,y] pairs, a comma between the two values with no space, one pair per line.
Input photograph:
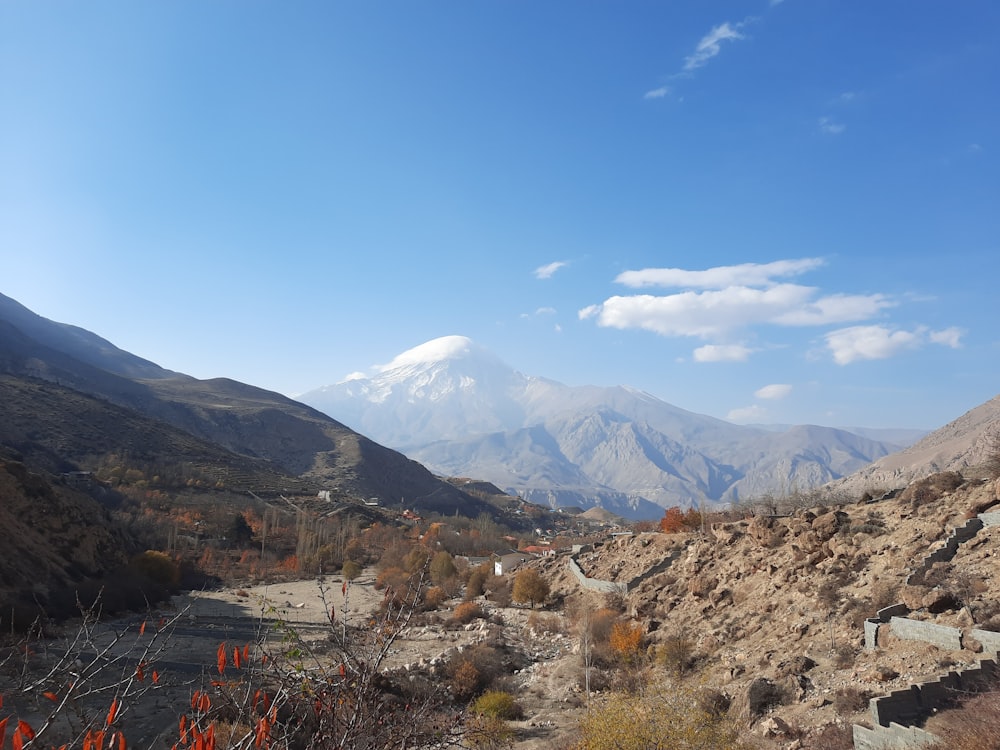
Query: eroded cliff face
[55,537]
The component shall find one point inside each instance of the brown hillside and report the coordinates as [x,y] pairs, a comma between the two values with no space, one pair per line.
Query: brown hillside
[55,537]
[960,445]
[785,598]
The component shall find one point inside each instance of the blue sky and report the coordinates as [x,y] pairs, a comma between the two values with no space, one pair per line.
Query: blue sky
[764,211]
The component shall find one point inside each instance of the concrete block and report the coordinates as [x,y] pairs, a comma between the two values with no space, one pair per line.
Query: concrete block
[893,610]
[895,737]
[899,706]
[978,678]
[934,694]
[871,634]
[941,636]
[989,639]
[992,518]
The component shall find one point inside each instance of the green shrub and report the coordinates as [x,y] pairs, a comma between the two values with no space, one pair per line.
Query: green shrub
[498,704]
[158,567]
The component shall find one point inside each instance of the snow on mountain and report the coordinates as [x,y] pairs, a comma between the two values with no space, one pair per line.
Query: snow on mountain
[458,409]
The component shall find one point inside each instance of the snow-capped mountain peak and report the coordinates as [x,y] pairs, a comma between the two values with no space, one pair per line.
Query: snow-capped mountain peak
[437,350]
[457,408]
[469,387]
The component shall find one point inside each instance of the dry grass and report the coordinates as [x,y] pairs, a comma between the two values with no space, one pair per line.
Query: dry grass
[831,737]
[973,726]
[850,700]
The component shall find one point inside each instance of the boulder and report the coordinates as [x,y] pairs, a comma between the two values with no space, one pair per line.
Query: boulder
[828,524]
[762,694]
[766,531]
[772,726]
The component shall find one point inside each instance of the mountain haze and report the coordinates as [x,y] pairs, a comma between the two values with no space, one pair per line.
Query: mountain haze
[458,409]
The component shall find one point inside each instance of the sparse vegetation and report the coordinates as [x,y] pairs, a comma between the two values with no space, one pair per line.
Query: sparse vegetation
[850,700]
[800,581]
[663,717]
[497,704]
[974,725]
[675,652]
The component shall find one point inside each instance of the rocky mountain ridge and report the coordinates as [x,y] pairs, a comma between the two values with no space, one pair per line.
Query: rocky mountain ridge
[965,442]
[458,409]
[53,370]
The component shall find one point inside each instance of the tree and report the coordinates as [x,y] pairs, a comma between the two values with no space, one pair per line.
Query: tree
[239,534]
[477,580]
[626,640]
[692,520]
[442,568]
[672,521]
[529,586]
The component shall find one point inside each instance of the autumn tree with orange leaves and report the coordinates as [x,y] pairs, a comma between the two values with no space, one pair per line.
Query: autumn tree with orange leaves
[675,520]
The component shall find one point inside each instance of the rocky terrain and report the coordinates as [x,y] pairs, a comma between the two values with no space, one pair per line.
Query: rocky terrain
[784,599]
[769,610]
[962,443]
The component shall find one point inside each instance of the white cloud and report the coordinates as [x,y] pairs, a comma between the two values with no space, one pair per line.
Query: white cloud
[835,308]
[830,127]
[710,44]
[713,313]
[545,311]
[745,274]
[722,353]
[354,376]
[869,342]
[881,342]
[753,413]
[657,93]
[721,303]
[773,392]
[948,337]
[557,328]
[546,271]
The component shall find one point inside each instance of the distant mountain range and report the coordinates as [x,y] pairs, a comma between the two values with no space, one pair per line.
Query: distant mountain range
[459,410]
[964,443]
[69,397]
